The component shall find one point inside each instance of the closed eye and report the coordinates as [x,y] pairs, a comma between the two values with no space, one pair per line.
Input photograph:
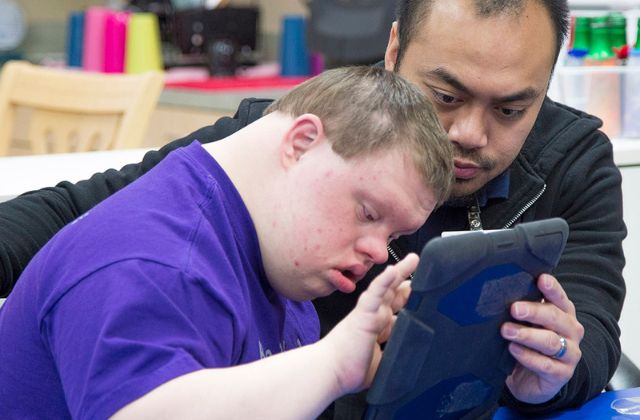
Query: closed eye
[444,98]
[367,214]
[510,113]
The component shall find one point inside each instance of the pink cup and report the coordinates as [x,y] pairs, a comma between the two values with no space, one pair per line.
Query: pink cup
[115,35]
[93,44]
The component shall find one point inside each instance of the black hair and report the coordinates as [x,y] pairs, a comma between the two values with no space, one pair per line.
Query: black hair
[410,13]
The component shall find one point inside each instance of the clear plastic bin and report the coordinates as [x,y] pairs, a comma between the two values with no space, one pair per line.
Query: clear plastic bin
[611,93]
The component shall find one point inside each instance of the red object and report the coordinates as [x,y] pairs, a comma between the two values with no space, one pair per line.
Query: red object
[238,83]
[622,52]
[572,29]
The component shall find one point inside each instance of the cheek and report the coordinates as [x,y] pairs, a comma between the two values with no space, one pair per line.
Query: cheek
[330,234]
[507,154]
[311,226]
[446,117]
[507,143]
[322,216]
[315,247]
[518,141]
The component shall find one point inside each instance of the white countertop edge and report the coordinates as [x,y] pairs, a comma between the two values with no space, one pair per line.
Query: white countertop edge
[20,174]
[626,152]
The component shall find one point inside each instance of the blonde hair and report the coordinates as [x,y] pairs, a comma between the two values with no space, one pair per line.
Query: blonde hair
[366,109]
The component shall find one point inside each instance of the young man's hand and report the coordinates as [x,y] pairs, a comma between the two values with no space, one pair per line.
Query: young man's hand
[355,342]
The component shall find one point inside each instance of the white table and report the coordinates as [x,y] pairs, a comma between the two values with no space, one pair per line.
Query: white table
[626,152]
[19,174]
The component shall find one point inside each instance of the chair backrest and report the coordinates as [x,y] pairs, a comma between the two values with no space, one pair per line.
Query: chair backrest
[71,110]
[350,32]
[626,376]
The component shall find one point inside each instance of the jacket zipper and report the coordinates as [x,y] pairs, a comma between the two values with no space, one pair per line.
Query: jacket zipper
[394,255]
[473,215]
[526,207]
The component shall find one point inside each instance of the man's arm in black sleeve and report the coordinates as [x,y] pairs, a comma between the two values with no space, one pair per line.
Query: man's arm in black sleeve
[590,269]
[27,222]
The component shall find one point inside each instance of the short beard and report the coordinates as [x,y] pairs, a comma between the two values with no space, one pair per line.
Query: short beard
[484,163]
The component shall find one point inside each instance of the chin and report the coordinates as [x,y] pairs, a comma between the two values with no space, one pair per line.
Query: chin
[463,188]
[311,292]
[320,292]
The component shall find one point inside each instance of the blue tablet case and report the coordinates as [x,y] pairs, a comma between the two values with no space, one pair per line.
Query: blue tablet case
[445,358]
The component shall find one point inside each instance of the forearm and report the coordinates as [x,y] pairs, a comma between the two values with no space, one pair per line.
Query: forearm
[590,272]
[26,224]
[296,384]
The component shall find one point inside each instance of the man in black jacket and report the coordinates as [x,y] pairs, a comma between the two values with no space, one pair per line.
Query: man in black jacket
[519,157]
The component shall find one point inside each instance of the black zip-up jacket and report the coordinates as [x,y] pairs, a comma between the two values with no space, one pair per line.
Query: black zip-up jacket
[565,169]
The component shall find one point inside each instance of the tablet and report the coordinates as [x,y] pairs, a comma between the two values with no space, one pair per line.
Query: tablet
[445,358]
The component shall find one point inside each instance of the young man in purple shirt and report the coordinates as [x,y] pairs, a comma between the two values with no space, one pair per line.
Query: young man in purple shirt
[167,298]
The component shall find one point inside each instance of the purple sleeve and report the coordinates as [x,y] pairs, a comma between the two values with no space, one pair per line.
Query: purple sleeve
[128,329]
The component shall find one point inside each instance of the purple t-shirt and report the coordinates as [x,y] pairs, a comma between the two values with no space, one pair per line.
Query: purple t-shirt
[162,279]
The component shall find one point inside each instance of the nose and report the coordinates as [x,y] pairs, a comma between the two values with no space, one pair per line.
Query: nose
[469,128]
[374,248]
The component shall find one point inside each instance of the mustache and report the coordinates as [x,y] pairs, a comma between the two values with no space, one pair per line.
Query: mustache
[474,156]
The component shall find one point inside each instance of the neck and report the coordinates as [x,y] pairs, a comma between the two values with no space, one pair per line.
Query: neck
[251,152]
[250,158]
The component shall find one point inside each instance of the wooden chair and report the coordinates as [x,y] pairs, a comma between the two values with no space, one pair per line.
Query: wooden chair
[74,111]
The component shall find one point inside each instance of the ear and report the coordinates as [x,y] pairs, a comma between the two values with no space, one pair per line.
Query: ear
[304,134]
[391,54]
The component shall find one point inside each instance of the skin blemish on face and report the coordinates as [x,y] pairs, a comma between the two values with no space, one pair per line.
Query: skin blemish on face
[319,230]
[296,263]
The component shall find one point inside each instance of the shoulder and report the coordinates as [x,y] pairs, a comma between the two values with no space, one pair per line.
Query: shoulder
[559,124]
[249,110]
[562,134]
[150,219]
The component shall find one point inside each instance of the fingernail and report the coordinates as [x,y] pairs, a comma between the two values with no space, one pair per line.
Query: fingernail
[547,282]
[521,310]
[515,349]
[510,332]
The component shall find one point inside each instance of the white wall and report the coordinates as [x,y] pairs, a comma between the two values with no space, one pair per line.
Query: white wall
[631,311]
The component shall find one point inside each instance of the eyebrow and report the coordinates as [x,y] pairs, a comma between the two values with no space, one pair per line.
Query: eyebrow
[444,75]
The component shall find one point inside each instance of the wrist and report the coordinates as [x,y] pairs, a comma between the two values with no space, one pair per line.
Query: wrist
[348,374]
